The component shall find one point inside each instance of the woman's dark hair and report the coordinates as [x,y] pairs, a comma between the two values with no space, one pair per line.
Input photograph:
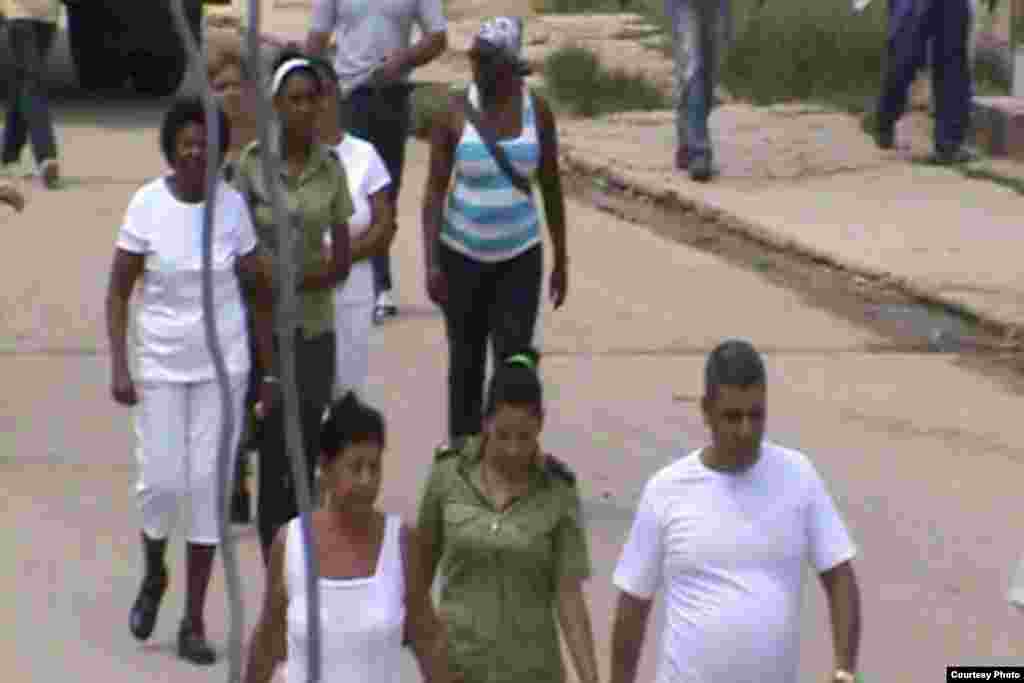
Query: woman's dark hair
[184,112]
[288,54]
[324,68]
[516,382]
[349,421]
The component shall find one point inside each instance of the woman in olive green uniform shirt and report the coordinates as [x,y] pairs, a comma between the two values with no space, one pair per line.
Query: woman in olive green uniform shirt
[503,522]
[317,197]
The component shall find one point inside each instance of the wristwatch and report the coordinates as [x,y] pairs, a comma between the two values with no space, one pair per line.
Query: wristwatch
[843,676]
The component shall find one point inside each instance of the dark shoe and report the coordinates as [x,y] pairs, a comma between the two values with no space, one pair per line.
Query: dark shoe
[885,137]
[700,167]
[951,157]
[682,158]
[192,645]
[142,618]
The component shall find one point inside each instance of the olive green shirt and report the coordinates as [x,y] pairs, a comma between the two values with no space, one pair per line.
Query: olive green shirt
[501,570]
[318,200]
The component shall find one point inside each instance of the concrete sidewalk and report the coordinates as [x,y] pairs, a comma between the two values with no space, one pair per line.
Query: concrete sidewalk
[812,182]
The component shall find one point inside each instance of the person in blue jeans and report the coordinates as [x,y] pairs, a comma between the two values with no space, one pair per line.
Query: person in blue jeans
[946,25]
[701,33]
[31,26]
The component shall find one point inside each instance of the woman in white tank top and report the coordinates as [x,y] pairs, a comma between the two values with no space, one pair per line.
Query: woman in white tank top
[374,592]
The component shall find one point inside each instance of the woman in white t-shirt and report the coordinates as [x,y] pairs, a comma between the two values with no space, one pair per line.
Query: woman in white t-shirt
[372,228]
[174,387]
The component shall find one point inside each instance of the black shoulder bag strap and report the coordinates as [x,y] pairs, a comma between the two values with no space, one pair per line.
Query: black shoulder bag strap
[488,136]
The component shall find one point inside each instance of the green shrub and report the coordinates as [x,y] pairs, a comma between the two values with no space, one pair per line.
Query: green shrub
[581,84]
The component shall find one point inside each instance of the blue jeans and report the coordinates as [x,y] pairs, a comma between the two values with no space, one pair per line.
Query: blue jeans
[946,25]
[701,33]
[29,112]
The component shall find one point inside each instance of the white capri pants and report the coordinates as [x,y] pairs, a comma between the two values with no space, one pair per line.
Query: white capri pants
[353,321]
[177,427]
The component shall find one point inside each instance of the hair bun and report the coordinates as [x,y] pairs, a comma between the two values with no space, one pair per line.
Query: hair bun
[527,358]
[349,400]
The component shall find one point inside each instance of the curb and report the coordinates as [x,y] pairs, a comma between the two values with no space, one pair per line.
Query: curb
[713,213]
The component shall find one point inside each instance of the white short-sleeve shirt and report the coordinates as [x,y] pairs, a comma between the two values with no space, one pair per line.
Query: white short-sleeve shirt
[170,336]
[729,551]
[370,31]
[367,175]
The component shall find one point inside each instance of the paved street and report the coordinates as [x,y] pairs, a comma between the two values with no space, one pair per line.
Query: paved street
[923,456]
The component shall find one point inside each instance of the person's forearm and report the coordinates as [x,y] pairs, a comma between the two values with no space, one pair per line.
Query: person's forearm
[117,330]
[431,650]
[844,609]
[628,633]
[579,637]
[554,213]
[334,271]
[262,311]
[374,241]
[433,217]
[425,50]
[322,277]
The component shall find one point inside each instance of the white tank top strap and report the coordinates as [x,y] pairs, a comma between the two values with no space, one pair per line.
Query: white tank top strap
[392,567]
[294,560]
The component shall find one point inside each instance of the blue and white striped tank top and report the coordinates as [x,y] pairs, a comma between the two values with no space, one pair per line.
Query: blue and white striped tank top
[487,218]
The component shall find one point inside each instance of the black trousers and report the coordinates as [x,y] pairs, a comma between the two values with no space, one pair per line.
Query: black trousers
[314,372]
[28,111]
[496,302]
[382,117]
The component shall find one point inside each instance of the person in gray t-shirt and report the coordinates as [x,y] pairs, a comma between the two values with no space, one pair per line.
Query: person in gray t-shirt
[375,55]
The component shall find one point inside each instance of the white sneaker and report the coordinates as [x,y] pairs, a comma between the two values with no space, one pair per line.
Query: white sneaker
[385,307]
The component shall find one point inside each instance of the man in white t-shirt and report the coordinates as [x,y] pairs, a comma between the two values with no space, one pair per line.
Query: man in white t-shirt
[375,55]
[726,532]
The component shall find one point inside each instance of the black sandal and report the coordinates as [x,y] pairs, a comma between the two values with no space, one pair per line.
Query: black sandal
[142,619]
[192,645]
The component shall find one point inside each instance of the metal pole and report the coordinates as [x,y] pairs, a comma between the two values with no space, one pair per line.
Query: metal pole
[225,451]
[286,316]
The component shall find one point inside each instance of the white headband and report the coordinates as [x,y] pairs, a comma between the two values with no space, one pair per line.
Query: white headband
[284,70]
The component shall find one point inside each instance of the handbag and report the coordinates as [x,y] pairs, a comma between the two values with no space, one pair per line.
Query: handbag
[487,135]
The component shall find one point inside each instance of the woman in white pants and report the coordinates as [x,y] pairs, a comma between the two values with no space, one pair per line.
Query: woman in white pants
[173,387]
[372,228]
